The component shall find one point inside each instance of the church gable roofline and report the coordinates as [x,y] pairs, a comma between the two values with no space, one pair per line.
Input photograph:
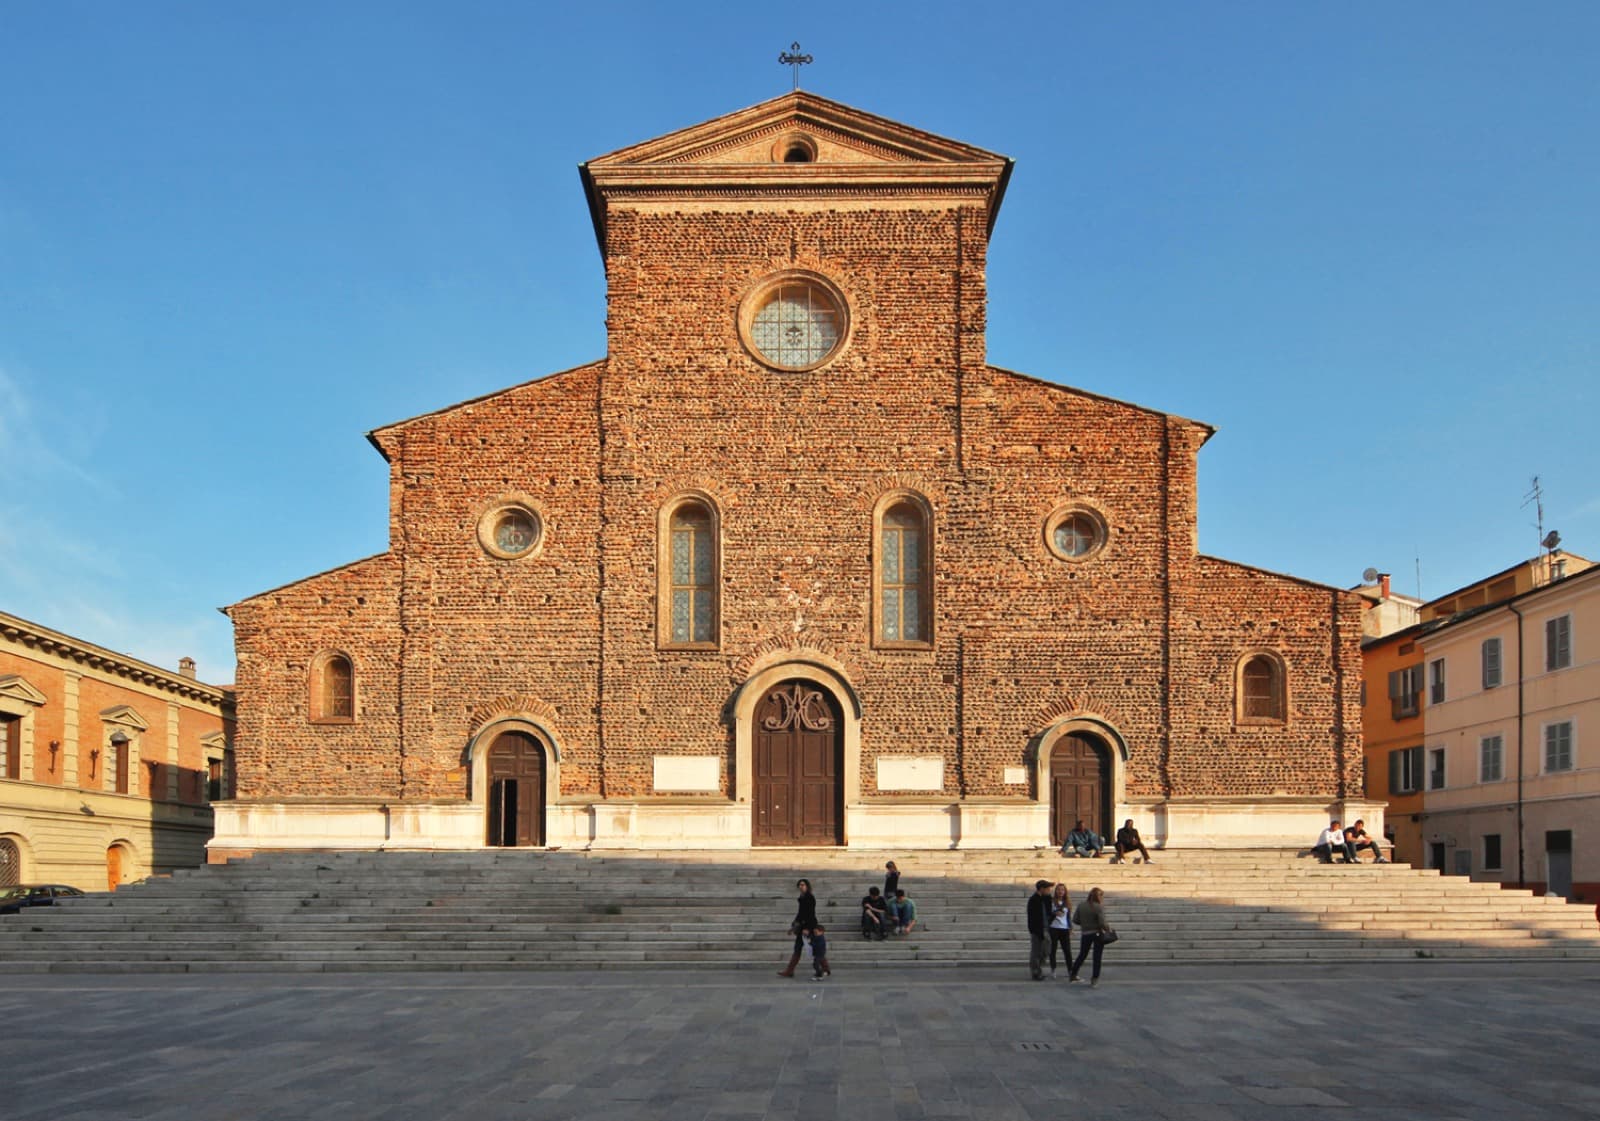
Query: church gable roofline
[796,145]
[229,610]
[1209,429]
[376,436]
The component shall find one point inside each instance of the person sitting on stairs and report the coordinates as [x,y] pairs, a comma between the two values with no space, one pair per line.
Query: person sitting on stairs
[874,915]
[1082,841]
[1128,842]
[1330,840]
[1357,839]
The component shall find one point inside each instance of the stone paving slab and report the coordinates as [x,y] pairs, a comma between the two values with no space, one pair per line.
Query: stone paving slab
[1445,1041]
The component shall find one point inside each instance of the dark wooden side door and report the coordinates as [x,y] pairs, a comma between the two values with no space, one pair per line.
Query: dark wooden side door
[799,765]
[516,790]
[1077,786]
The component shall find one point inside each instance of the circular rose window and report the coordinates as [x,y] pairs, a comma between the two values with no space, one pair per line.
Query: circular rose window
[509,531]
[793,322]
[1075,533]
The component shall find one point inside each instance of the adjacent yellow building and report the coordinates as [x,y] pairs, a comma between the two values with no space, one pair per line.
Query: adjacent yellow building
[108,765]
[1510,737]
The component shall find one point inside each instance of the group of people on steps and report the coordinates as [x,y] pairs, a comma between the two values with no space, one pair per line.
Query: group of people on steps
[1051,919]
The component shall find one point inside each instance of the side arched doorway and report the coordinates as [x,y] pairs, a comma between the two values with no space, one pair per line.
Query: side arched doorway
[1080,785]
[119,861]
[10,863]
[798,767]
[515,767]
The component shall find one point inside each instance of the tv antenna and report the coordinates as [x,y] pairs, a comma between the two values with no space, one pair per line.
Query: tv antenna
[1535,498]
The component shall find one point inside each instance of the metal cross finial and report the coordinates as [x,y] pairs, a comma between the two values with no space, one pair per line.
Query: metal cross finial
[793,57]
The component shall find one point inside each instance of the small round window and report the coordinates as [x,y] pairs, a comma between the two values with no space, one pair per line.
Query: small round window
[510,531]
[1075,533]
[793,322]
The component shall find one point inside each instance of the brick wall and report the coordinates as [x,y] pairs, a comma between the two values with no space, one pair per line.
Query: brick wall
[444,635]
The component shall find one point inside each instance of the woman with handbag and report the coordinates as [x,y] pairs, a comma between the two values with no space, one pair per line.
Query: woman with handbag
[805,920]
[1095,934]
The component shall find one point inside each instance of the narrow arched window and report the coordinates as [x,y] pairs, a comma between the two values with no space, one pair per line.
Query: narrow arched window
[903,599]
[1262,696]
[333,688]
[689,576]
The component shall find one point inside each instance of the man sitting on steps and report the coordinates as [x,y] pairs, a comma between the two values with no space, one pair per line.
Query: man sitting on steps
[1356,839]
[1082,841]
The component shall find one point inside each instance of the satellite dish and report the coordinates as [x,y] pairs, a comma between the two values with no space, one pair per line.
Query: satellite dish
[1370,576]
[1551,540]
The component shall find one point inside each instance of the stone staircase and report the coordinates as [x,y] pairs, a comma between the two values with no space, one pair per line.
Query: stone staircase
[522,909]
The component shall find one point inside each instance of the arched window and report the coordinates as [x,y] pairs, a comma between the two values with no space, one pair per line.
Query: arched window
[333,688]
[689,568]
[902,577]
[1262,691]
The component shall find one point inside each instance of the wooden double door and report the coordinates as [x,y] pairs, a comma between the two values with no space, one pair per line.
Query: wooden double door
[1080,782]
[516,790]
[798,784]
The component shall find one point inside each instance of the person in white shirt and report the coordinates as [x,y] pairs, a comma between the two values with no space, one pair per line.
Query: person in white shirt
[1330,839]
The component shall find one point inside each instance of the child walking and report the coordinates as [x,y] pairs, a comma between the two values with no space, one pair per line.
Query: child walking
[819,953]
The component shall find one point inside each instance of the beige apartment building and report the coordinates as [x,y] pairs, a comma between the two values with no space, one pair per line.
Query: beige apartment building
[108,764]
[1510,761]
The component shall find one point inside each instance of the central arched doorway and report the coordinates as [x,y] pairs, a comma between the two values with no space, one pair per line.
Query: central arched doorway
[516,790]
[798,767]
[1080,782]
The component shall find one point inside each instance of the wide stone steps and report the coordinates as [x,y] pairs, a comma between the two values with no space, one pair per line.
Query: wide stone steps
[548,910]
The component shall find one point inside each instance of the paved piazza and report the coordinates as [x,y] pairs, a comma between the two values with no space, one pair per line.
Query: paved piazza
[1430,1040]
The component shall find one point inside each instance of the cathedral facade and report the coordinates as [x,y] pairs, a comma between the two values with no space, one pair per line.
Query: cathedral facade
[792,564]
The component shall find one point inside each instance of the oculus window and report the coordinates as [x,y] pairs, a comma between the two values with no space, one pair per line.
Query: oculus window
[794,322]
[511,530]
[1075,533]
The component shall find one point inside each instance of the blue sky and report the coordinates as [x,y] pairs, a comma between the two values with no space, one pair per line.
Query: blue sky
[1361,239]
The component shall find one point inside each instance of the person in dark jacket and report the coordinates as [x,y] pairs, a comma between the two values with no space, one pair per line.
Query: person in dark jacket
[805,921]
[874,915]
[891,884]
[1128,842]
[1090,919]
[1039,928]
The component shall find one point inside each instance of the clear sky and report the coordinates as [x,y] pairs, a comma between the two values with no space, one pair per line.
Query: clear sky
[1362,239]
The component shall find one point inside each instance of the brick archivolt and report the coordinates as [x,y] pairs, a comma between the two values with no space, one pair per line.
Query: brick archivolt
[1084,710]
[692,485]
[519,708]
[801,648]
[900,482]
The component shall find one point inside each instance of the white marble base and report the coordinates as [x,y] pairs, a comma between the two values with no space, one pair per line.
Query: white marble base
[979,824]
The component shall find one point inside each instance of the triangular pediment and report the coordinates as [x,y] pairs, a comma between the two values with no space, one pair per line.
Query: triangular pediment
[14,688]
[124,716]
[837,133]
[798,146]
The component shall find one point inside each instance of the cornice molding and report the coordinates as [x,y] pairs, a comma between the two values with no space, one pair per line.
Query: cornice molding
[33,637]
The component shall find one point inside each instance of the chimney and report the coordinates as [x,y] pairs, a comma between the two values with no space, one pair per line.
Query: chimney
[1383,585]
[186,668]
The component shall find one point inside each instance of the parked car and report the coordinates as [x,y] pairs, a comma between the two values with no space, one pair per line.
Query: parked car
[13,900]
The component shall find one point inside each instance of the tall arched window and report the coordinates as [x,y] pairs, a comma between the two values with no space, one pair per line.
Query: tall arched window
[333,688]
[688,566]
[1262,691]
[902,577]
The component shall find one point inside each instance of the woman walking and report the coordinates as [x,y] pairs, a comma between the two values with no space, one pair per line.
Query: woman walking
[1090,920]
[1060,927]
[805,921]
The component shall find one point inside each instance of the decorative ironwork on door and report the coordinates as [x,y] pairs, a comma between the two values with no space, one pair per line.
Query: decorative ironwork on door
[796,706]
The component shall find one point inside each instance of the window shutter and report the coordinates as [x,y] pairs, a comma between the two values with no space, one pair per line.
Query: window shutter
[1395,678]
[1394,773]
